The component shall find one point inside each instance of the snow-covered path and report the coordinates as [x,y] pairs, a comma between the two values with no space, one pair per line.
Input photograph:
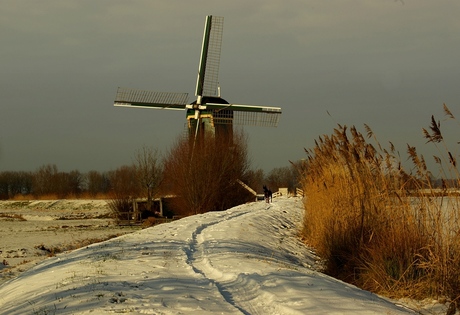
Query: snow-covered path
[246,260]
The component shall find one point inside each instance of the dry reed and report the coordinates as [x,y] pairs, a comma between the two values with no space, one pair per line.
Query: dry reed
[375,224]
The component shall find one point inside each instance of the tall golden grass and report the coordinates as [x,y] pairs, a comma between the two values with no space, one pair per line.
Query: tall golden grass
[377,225]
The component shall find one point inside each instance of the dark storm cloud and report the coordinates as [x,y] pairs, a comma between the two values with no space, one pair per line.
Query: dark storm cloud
[389,64]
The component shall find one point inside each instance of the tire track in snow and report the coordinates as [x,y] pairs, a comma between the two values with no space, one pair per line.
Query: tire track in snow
[195,251]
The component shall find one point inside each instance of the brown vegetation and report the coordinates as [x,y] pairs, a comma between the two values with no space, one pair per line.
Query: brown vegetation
[124,188]
[53,250]
[48,183]
[203,173]
[11,217]
[283,177]
[149,171]
[374,223]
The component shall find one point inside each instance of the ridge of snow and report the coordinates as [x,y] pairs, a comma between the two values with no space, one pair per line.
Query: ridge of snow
[245,260]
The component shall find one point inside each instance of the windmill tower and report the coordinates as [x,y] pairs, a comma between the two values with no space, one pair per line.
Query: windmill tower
[209,113]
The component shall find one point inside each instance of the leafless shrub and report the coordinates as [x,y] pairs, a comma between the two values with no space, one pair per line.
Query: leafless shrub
[59,248]
[149,170]
[150,221]
[124,189]
[203,173]
[12,217]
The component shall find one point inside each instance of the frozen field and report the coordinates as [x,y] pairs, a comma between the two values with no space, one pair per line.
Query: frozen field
[31,231]
[245,260]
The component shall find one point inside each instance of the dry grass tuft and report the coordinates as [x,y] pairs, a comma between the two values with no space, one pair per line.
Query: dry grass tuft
[149,222]
[12,217]
[375,224]
[54,250]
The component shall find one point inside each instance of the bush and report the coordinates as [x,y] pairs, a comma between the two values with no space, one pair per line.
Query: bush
[150,221]
[124,188]
[203,173]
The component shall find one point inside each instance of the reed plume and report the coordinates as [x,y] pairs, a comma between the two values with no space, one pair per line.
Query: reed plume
[377,225]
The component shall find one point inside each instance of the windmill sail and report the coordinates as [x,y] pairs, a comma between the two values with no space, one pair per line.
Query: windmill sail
[208,71]
[161,100]
[264,116]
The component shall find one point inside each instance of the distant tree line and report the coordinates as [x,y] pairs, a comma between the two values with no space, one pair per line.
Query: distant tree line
[48,181]
[202,173]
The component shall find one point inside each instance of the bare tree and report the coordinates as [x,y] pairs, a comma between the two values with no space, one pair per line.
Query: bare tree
[4,185]
[124,187]
[149,170]
[15,183]
[97,183]
[204,173]
[49,181]
[45,180]
[70,184]
[256,180]
[282,177]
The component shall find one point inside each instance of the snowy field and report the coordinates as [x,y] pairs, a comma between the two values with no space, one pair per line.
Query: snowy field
[246,260]
[31,230]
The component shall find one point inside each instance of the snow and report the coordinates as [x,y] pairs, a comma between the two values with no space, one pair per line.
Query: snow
[30,229]
[246,260]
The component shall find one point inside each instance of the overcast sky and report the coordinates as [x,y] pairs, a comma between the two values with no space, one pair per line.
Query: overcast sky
[389,64]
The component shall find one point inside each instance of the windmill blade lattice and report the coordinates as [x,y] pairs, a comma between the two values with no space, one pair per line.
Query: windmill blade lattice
[141,98]
[261,119]
[208,71]
[264,116]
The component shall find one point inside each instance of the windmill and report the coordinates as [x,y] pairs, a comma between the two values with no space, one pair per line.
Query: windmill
[209,113]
